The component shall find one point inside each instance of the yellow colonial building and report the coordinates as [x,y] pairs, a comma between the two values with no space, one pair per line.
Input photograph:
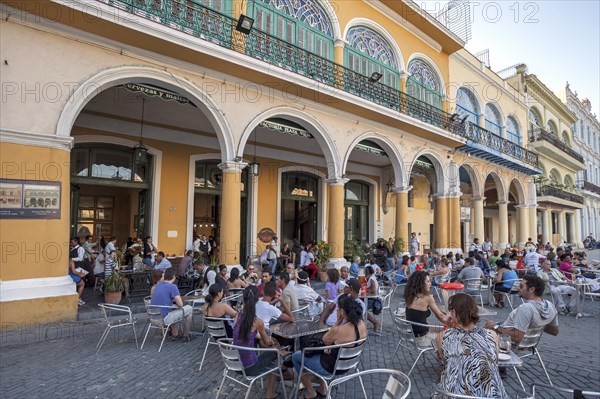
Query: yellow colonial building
[337,121]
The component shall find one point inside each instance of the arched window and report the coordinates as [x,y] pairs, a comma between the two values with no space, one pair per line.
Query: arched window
[512,130]
[534,121]
[493,119]
[300,22]
[550,128]
[369,52]
[565,139]
[467,105]
[424,83]
[555,177]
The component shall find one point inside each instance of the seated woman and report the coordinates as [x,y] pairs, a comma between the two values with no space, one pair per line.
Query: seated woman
[504,282]
[348,327]
[214,308]
[469,353]
[235,281]
[441,274]
[333,287]
[402,271]
[247,327]
[419,304]
[76,277]
[157,277]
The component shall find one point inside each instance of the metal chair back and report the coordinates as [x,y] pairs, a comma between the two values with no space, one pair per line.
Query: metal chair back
[531,338]
[575,393]
[397,387]
[109,311]
[216,327]
[302,313]
[348,358]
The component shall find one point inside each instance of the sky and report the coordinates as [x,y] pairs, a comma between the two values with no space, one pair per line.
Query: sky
[558,40]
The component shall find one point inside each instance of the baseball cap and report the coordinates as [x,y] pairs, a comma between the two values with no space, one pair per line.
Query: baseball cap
[354,284]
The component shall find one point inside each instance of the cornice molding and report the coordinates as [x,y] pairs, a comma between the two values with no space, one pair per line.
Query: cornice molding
[551,101]
[35,139]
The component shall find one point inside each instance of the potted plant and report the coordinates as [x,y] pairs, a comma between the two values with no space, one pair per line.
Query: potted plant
[354,249]
[113,288]
[323,253]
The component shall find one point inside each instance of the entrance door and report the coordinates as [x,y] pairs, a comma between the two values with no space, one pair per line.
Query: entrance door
[299,207]
[356,212]
[74,209]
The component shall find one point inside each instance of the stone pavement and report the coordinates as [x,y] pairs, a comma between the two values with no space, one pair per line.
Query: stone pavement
[59,361]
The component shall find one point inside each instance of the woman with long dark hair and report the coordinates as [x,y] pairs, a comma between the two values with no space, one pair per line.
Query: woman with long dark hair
[419,305]
[348,327]
[215,308]
[234,281]
[470,353]
[245,331]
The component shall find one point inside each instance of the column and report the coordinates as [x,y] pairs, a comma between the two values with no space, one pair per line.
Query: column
[403,79]
[440,224]
[338,58]
[454,241]
[546,226]
[522,225]
[503,227]
[477,204]
[533,233]
[560,217]
[570,226]
[401,225]
[578,237]
[229,249]
[335,223]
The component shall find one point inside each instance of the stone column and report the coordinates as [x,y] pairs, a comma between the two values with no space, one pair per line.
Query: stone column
[454,241]
[401,225]
[560,217]
[338,58]
[503,221]
[440,224]
[335,224]
[533,233]
[546,226]
[229,249]
[522,225]
[578,237]
[478,226]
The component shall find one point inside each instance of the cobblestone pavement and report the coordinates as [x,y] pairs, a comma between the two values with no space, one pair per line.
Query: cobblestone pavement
[59,361]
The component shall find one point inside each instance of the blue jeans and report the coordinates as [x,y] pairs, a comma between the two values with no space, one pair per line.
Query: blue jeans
[148,262]
[313,363]
[273,265]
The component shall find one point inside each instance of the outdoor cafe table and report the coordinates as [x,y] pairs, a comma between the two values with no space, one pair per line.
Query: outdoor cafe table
[296,329]
[139,282]
[514,362]
[581,286]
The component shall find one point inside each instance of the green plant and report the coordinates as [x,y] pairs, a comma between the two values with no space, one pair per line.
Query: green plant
[399,245]
[114,283]
[323,253]
[354,249]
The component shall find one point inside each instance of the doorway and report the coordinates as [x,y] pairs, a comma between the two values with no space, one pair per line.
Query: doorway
[299,207]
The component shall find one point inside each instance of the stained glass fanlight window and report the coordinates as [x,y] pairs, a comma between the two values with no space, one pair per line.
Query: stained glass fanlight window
[467,105]
[424,83]
[512,130]
[493,119]
[534,121]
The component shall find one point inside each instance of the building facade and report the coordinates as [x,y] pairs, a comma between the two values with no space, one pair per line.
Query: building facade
[318,120]
[586,134]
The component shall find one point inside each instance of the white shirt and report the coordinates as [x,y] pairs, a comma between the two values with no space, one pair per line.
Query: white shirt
[196,245]
[265,311]
[306,293]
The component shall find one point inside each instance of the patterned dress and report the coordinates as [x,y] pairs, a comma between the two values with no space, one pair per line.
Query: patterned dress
[471,367]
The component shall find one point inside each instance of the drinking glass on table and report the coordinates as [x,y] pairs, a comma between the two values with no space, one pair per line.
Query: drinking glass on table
[504,343]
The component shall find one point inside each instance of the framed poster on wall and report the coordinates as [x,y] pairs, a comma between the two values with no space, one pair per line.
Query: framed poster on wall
[29,199]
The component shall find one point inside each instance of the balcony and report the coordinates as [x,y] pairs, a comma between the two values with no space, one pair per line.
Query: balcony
[538,137]
[590,187]
[196,20]
[548,193]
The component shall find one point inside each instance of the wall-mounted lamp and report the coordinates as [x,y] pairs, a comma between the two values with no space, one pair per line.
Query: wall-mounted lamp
[453,117]
[375,76]
[244,24]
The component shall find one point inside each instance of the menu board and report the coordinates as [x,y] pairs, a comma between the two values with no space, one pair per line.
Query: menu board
[29,199]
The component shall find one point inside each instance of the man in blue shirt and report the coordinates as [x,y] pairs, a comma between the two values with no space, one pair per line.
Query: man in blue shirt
[162,263]
[354,267]
[167,294]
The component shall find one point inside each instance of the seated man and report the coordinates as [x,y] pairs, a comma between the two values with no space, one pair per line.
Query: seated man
[352,288]
[534,312]
[162,263]
[185,263]
[470,271]
[344,275]
[558,286]
[250,275]
[266,277]
[287,291]
[166,294]
[266,310]
[306,293]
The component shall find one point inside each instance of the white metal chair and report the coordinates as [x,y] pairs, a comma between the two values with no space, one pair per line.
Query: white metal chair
[473,288]
[234,367]
[513,291]
[529,344]
[216,330]
[445,278]
[109,311]
[575,393]
[347,359]
[554,295]
[386,294]
[397,387]
[196,305]
[439,393]
[407,337]
[156,320]
[302,313]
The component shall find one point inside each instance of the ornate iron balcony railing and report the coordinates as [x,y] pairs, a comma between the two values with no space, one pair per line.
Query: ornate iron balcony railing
[197,20]
[591,187]
[548,190]
[541,134]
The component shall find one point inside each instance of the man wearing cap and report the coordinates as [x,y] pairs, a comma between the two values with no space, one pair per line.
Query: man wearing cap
[306,293]
[352,288]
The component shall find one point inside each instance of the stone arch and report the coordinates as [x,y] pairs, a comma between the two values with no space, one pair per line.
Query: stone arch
[568,182]
[333,18]
[497,110]
[470,92]
[566,138]
[520,190]
[390,149]
[554,175]
[441,183]
[433,65]
[538,115]
[111,77]
[500,188]
[383,32]
[475,177]
[312,124]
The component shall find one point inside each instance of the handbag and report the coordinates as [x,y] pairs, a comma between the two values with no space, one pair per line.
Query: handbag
[377,306]
[312,341]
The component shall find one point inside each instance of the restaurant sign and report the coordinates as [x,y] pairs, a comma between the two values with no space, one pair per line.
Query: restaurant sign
[29,199]
[266,234]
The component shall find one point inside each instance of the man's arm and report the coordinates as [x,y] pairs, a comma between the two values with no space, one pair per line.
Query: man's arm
[552,330]
[515,335]
[178,301]
[326,312]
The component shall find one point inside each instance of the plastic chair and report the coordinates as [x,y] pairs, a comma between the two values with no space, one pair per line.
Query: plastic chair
[576,393]
[109,310]
[473,288]
[513,291]
[397,387]
[216,330]
[441,394]
[156,320]
[407,337]
[234,367]
[529,343]
[348,358]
